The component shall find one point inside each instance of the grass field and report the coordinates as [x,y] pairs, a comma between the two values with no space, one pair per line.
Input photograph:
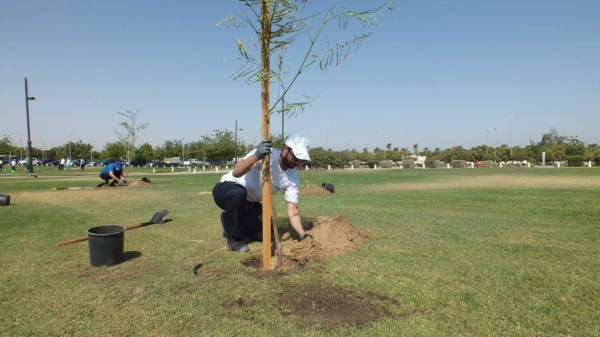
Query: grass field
[453,252]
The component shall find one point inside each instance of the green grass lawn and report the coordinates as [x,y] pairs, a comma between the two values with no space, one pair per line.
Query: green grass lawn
[469,252]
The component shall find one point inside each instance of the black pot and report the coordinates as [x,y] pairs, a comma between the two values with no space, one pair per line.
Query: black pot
[4,199]
[106,245]
[328,187]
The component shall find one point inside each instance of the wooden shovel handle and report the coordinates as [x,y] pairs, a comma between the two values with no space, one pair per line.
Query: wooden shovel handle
[64,243]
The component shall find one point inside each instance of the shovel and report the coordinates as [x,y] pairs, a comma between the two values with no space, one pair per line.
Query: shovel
[158,218]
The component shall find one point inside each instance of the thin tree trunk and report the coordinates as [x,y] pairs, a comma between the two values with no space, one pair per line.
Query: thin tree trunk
[266,130]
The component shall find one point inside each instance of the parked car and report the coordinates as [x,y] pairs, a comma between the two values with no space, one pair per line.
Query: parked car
[77,162]
[193,162]
[138,162]
[47,162]
[173,161]
[213,162]
[156,163]
[95,162]
[106,162]
[55,162]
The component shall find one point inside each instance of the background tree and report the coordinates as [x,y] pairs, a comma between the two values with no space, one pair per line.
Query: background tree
[552,138]
[7,146]
[146,151]
[170,148]
[132,129]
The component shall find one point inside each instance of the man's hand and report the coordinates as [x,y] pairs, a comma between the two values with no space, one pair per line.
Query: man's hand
[263,148]
[121,182]
[306,235]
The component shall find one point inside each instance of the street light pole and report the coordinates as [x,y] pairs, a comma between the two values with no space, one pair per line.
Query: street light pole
[30,151]
[183,146]
[21,147]
[511,146]
[91,152]
[487,141]
[236,144]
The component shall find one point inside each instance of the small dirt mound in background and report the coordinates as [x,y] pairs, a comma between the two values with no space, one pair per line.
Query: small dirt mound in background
[311,190]
[139,183]
[333,235]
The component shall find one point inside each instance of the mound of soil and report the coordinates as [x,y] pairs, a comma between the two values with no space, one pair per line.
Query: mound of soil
[312,190]
[139,183]
[332,235]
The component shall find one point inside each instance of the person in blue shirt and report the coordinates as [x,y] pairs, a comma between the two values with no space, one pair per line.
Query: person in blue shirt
[113,171]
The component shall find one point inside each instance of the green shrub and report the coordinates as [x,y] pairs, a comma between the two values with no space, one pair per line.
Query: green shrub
[433,163]
[355,163]
[597,160]
[488,164]
[575,161]
[408,163]
[371,163]
[386,164]
[458,164]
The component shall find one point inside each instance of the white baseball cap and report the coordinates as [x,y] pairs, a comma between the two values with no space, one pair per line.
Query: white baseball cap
[299,145]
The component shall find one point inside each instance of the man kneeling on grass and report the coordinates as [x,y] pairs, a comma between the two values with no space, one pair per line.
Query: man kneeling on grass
[113,171]
[239,194]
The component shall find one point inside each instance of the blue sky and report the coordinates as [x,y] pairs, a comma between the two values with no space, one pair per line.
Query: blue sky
[437,73]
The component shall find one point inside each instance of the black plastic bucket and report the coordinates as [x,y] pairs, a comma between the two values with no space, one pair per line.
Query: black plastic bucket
[106,245]
[328,187]
[4,199]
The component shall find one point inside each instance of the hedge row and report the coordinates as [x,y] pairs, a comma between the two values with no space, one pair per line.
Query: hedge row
[408,163]
[575,161]
[458,163]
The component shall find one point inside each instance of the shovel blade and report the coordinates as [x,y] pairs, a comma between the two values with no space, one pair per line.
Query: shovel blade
[159,217]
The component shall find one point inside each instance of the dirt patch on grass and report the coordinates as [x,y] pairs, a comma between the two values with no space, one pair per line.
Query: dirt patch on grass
[324,307]
[506,182]
[140,183]
[331,235]
[313,190]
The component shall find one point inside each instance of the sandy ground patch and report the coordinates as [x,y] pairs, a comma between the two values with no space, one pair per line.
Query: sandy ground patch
[332,235]
[507,182]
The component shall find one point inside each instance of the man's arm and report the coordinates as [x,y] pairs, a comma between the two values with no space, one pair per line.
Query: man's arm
[243,166]
[293,214]
[112,175]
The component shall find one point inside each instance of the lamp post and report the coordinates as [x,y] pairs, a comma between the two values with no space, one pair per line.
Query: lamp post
[236,144]
[511,137]
[183,147]
[30,151]
[91,152]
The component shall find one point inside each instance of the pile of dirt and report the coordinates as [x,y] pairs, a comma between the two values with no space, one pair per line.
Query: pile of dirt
[312,190]
[332,235]
[139,183]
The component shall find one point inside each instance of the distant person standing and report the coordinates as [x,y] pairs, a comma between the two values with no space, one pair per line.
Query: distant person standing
[13,163]
[82,163]
[61,165]
[68,163]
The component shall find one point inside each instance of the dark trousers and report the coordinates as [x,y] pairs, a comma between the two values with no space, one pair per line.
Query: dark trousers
[105,177]
[241,218]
